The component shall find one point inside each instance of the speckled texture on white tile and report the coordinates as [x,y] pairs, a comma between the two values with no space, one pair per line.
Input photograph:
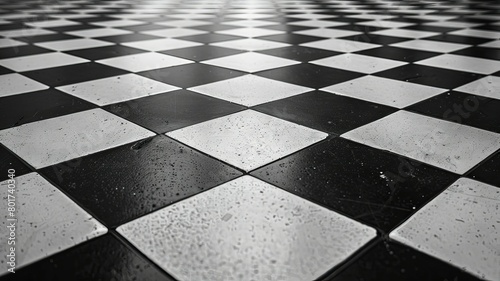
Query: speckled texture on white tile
[250,90]
[25,32]
[488,86]
[328,32]
[451,146]
[358,63]
[251,62]
[161,44]
[250,32]
[173,32]
[405,33]
[51,141]
[460,226]
[250,44]
[385,91]
[47,221]
[144,61]
[116,89]
[98,32]
[73,44]
[15,83]
[34,62]
[340,45]
[469,64]
[269,234]
[248,139]
[432,46]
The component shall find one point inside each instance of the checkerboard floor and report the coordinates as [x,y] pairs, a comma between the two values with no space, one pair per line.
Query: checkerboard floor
[266,140]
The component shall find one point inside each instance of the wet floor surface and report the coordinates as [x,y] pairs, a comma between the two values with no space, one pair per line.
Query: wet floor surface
[250,140]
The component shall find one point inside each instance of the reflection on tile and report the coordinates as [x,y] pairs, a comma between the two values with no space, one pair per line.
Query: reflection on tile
[260,223]
[47,221]
[250,44]
[488,86]
[433,46]
[250,32]
[247,139]
[250,90]
[477,33]
[250,62]
[144,61]
[70,136]
[358,63]
[116,89]
[14,83]
[73,44]
[98,32]
[340,45]
[173,32]
[444,144]
[161,44]
[51,23]
[40,61]
[469,64]
[405,33]
[384,91]
[460,226]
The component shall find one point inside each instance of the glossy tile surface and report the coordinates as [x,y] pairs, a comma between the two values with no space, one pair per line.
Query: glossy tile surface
[358,63]
[250,62]
[34,62]
[466,212]
[247,139]
[259,220]
[451,146]
[144,61]
[40,204]
[14,83]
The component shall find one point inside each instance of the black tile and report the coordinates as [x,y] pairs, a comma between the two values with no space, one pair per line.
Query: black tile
[287,28]
[70,74]
[102,258]
[143,27]
[173,110]
[44,38]
[37,106]
[476,111]
[128,38]
[375,39]
[488,171]
[201,53]
[129,181]
[458,39]
[4,70]
[393,261]
[71,28]
[310,75]
[480,52]
[359,28]
[332,113]
[431,28]
[215,27]
[208,38]
[300,53]
[430,76]
[9,160]
[400,54]
[291,38]
[18,51]
[191,75]
[105,52]
[376,187]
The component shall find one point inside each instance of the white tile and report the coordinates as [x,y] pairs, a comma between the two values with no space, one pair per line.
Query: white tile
[51,141]
[250,16]
[358,63]
[488,86]
[318,23]
[33,62]
[116,89]
[444,144]
[340,45]
[173,32]
[250,90]
[384,91]
[477,33]
[248,139]
[432,17]
[6,42]
[491,44]
[257,221]
[190,16]
[328,32]
[459,226]
[371,16]
[73,44]
[250,32]
[464,63]
[385,24]
[117,23]
[311,16]
[98,32]
[25,32]
[161,44]
[251,23]
[51,23]
[452,24]
[15,83]
[433,46]
[183,23]
[144,61]
[48,222]
[250,44]
[405,33]
[250,62]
